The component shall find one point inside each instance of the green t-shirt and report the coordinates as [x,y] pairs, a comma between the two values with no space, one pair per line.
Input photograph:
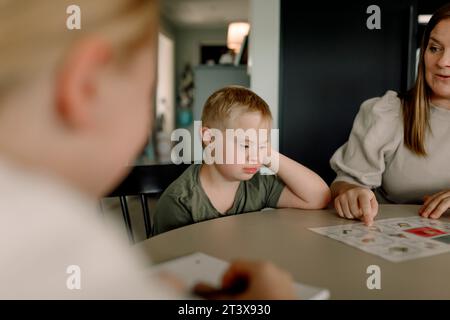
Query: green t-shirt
[185,202]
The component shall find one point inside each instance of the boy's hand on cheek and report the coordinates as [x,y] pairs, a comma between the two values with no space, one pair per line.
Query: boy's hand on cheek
[268,156]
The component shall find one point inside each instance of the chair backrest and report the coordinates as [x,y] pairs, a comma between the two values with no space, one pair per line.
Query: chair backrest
[145,181]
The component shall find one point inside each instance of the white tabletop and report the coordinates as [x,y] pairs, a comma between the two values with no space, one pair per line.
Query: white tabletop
[282,236]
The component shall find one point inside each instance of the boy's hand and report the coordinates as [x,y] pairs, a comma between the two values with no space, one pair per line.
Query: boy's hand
[265,153]
[436,205]
[357,203]
[270,158]
[247,280]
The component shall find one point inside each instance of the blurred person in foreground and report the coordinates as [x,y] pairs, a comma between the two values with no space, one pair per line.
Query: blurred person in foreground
[75,109]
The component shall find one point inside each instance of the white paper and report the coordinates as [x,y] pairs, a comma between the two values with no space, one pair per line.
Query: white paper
[396,239]
[199,267]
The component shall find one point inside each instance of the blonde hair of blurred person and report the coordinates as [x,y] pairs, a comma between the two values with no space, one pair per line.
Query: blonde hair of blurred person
[75,110]
[72,98]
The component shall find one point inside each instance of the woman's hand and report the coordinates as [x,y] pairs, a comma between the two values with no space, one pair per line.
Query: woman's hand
[248,280]
[436,205]
[356,202]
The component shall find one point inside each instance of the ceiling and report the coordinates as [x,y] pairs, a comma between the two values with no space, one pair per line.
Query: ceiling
[204,13]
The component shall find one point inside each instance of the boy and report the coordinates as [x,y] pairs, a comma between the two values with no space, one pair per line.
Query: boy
[222,187]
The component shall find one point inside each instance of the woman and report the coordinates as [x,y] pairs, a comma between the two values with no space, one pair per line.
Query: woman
[399,147]
[74,111]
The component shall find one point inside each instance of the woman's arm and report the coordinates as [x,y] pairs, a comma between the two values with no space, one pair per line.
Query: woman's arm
[304,188]
[361,161]
[339,187]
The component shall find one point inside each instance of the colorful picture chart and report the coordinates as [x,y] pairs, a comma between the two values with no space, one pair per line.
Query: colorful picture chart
[396,239]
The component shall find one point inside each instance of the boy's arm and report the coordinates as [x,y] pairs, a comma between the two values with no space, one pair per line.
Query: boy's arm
[304,188]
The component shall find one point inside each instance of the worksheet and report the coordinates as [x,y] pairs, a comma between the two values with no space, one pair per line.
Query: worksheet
[396,239]
[200,267]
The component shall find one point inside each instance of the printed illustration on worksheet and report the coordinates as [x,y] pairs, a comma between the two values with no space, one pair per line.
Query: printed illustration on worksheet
[396,239]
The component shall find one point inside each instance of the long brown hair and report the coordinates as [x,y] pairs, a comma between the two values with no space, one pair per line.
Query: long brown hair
[416,102]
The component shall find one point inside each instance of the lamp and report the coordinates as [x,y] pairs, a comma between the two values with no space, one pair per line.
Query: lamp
[424,18]
[236,34]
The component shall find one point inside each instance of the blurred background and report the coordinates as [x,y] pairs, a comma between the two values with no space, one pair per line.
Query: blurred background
[205,45]
[313,62]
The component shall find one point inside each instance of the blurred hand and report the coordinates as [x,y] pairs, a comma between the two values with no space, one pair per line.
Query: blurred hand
[436,205]
[357,203]
[245,280]
[173,282]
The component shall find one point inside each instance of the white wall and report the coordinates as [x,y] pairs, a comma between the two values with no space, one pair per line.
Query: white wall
[264,52]
[165,91]
[166,27]
[188,41]
[166,72]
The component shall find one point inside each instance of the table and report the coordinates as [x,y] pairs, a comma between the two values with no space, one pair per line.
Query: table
[282,236]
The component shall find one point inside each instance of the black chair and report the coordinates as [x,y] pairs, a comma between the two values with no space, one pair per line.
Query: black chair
[145,181]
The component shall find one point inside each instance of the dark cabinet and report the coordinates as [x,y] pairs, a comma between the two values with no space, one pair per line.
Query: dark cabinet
[330,62]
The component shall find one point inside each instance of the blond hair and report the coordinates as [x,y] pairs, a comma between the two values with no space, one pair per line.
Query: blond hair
[230,102]
[34,36]
[416,102]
